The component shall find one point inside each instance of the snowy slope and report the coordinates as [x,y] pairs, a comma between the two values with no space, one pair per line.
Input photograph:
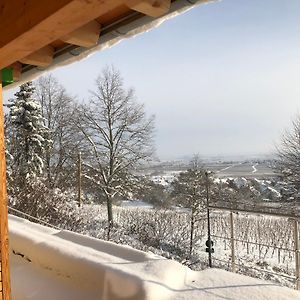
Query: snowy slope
[50,264]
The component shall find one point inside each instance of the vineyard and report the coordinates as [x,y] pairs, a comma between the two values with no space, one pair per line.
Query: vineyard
[264,246]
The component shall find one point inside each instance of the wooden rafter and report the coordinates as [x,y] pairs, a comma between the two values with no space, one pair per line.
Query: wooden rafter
[29,25]
[41,58]
[85,36]
[153,8]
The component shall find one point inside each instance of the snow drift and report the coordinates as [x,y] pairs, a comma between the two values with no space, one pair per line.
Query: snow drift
[52,264]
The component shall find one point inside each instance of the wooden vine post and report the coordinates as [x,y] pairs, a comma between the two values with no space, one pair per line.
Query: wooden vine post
[297,256]
[233,266]
[5,293]
[79,180]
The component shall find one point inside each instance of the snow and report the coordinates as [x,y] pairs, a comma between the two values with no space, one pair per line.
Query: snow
[135,204]
[240,182]
[226,168]
[254,168]
[57,264]
[163,180]
[274,192]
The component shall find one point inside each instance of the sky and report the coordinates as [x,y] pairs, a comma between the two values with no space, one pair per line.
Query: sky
[221,79]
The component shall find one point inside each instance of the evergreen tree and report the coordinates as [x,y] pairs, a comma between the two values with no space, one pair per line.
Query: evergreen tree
[30,134]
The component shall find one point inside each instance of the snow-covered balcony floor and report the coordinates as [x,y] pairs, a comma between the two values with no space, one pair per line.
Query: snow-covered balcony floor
[48,264]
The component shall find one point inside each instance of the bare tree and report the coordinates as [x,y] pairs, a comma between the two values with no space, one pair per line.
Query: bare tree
[118,136]
[58,109]
[289,154]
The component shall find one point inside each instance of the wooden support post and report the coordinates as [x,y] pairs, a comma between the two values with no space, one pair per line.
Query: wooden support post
[17,70]
[233,268]
[4,255]
[209,244]
[297,258]
[79,180]
[259,241]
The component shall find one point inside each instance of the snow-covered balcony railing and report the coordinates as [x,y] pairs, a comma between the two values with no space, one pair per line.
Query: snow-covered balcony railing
[56,264]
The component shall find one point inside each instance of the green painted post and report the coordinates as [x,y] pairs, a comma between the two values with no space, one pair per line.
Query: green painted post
[7,76]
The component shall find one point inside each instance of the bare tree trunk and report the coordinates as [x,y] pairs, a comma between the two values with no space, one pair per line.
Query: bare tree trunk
[48,166]
[109,215]
[79,174]
[192,233]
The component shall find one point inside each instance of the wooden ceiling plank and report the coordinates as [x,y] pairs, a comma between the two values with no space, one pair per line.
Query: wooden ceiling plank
[152,8]
[85,36]
[40,58]
[29,25]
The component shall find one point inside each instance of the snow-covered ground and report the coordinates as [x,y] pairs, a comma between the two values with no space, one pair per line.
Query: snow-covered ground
[136,203]
[55,264]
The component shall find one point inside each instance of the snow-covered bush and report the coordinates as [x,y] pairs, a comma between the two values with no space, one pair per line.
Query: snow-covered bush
[39,201]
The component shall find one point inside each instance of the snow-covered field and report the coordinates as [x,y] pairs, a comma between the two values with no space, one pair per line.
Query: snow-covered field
[57,264]
[221,169]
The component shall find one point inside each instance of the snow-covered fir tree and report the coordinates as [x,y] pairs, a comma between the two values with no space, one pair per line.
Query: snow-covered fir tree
[30,138]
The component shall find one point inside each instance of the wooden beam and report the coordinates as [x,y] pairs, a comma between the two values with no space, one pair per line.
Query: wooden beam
[4,248]
[29,25]
[41,58]
[85,36]
[17,70]
[152,8]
